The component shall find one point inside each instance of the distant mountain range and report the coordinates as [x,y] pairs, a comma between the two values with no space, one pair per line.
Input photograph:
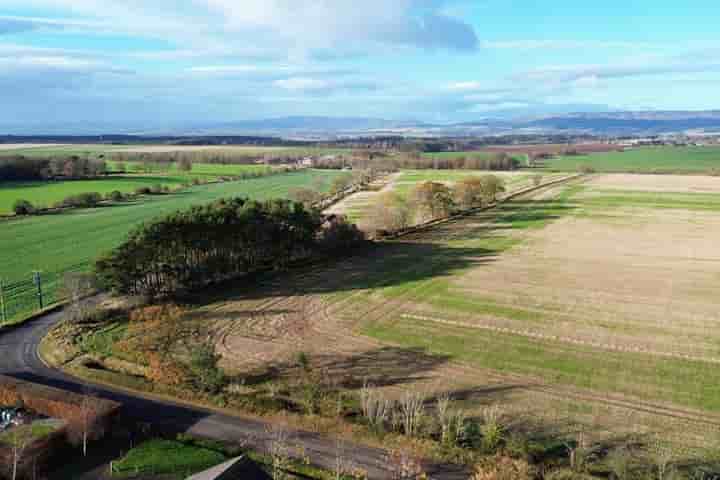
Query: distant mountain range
[602,123]
[318,128]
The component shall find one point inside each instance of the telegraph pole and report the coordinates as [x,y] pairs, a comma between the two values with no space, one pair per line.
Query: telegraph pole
[3,310]
[38,283]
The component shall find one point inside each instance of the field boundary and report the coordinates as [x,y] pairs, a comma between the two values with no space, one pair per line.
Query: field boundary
[511,196]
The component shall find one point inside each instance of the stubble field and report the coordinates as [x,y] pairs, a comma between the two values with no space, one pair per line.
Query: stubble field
[570,314]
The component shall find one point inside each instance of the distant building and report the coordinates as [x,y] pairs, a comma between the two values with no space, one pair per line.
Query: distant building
[240,468]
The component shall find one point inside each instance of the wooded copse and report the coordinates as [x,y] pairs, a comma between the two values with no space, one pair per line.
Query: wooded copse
[222,240]
[20,168]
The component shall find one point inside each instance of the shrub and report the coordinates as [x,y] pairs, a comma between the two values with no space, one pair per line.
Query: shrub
[492,429]
[82,200]
[587,169]
[503,468]
[142,191]
[116,196]
[204,365]
[156,189]
[23,207]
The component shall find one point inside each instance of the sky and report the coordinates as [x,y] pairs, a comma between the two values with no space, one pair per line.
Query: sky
[143,64]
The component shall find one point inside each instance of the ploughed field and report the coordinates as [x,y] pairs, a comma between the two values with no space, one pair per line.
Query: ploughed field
[589,305]
[72,240]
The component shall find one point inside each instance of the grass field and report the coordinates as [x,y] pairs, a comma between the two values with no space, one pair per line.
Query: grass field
[56,243]
[679,160]
[46,194]
[167,457]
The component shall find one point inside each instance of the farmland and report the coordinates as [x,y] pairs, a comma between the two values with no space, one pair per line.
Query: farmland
[614,333]
[667,160]
[95,150]
[56,243]
[359,206]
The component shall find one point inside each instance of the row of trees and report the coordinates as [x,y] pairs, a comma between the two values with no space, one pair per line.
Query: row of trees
[433,200]
[417,161]
[20,168]
[225,239]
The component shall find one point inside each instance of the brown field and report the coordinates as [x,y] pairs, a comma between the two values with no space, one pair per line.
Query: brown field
[658,183]
[197,148]
[555,148]
[636,286]
[22,146]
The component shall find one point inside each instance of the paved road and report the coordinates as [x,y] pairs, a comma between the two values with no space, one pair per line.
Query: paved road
[19,358]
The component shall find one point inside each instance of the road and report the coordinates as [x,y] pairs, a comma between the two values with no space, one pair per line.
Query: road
[19,358]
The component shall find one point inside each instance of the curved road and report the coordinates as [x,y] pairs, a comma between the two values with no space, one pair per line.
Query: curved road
[19,358]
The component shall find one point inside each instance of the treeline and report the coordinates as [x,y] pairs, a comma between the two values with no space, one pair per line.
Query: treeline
[181,159]
[225,239]
[429,201]
[21,168]
[416,161]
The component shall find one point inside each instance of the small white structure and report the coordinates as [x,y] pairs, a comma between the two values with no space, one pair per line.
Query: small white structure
[240,468]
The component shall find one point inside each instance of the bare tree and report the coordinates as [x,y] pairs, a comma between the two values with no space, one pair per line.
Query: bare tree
[76,287]
[84,425]
[20,439]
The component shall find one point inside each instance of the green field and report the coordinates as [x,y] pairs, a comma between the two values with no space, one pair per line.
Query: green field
[54,244]
[167,457]
[46,194]
[198,169]
[645,160]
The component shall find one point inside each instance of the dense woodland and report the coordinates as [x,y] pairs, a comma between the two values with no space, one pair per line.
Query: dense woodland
[225,239]
[20,168]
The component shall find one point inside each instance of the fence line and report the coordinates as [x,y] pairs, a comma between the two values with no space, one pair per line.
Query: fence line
[21,298]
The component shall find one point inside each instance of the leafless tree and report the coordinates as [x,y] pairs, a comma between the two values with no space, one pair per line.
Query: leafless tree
[76,287]
[84,425]
[20,438]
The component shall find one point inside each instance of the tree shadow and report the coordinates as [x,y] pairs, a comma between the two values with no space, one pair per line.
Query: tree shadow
[380,367]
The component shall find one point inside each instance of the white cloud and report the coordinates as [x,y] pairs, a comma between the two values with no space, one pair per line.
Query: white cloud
[302,84]
[298,28]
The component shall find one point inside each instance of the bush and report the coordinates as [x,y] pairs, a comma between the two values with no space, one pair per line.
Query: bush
[156,189]
[142,191]
[23,207]
[503,468]
[82,200]
[204,366]
[587,169]
[116,196]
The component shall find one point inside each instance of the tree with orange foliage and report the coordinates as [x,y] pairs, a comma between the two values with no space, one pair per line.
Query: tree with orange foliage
[153,333]
[432,200]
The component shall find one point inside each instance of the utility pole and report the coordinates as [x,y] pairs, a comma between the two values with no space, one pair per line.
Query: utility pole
[3,310]
[38,283]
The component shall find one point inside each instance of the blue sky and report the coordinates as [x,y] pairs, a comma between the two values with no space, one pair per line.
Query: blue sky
[153,64]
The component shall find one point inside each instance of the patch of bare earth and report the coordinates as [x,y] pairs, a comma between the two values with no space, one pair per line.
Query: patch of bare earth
[657,183]
[594,280]
[195,148]
[22,146]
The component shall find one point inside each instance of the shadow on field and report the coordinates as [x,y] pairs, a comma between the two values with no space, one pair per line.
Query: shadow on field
[419,256]
[392,264]
[381,367]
